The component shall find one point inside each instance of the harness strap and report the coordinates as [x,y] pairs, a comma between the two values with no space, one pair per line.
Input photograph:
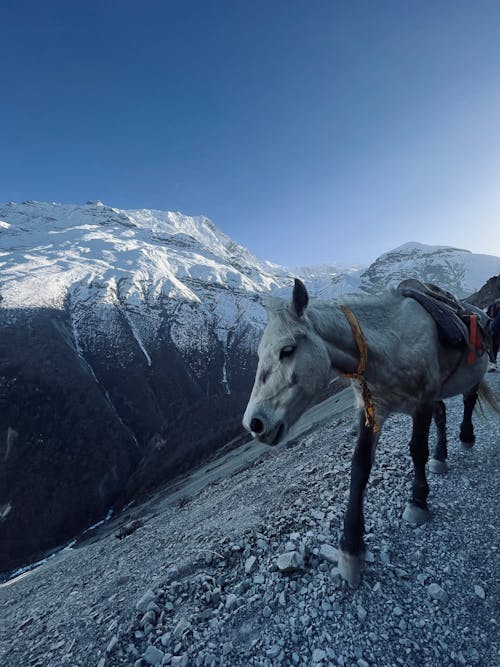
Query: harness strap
[370,416]
[475,339]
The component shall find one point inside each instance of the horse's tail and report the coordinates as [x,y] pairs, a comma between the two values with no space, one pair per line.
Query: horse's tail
[485,395]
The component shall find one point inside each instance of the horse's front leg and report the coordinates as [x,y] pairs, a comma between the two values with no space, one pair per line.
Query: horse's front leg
[352,546]
[467,437]
[416,511]
[438,462]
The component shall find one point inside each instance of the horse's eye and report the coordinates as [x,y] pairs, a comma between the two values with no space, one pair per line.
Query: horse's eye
[287,351]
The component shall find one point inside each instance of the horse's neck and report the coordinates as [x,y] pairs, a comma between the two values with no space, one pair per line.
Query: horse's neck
[330,323]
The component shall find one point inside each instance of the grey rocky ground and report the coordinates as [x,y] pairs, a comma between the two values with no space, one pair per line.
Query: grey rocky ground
[243,571]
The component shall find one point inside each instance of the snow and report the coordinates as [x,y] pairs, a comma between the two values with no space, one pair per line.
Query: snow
[460,271]
[413,247]
[49,248]
[145,261]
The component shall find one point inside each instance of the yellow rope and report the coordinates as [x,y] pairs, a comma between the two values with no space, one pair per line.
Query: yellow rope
[370,416]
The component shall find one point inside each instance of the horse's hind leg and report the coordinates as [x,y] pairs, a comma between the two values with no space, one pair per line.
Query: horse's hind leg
[352,545]
[416,511]
[438,462]
[467,436]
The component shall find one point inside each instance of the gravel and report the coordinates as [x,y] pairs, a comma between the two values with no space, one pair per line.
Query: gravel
[243,572]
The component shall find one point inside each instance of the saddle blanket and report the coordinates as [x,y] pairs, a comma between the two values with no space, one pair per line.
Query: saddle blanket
[452,317]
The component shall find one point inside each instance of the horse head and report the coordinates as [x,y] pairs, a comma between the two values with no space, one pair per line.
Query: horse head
[293,367]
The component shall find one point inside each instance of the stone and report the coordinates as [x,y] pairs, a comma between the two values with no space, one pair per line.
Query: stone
[437,593]
[249,564]
[112,644]
[172,573]
[318,655]
[182,626]
[262,544]
[385,557]
[143,602]
[273,651]
[290,561]
[479,591]
[362,614]
[329,553]
[149,617]
[153,656]
[231,601]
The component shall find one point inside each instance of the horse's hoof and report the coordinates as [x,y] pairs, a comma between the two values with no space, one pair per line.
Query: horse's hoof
[350,568]
[467,443]
[437,466]
[467,438]
[415,515]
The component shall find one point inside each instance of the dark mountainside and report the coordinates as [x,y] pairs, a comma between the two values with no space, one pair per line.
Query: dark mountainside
[90,428]
[487,294]
[127,353]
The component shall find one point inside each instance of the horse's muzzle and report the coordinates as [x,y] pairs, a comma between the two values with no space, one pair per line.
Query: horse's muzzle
[269,434]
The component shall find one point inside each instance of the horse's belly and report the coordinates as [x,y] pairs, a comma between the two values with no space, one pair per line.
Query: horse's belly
[388,400]
[465,377]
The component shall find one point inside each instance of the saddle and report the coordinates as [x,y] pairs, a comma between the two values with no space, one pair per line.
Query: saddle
[460,325]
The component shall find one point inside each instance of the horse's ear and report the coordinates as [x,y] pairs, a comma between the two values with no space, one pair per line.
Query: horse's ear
[300,298]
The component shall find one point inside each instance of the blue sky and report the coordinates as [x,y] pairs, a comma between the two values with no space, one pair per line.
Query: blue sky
[309,131]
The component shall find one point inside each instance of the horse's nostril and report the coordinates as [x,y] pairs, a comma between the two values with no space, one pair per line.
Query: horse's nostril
[256,425]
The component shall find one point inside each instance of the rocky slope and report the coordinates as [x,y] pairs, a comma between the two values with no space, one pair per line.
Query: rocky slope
[193,578]
[487,294]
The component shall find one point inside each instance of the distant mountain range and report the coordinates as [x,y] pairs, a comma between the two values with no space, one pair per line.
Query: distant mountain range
[127,351]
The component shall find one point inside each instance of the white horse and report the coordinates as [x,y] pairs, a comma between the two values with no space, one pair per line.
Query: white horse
[389,346]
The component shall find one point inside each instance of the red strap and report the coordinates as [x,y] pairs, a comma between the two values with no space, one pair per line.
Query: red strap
[474,338]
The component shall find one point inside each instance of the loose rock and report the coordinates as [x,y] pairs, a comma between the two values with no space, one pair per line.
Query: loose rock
[437,593]
[329,553]
[290,561]
[153,656]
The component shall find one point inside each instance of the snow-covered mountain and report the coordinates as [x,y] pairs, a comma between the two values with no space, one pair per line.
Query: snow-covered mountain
[127,350]
[60,256]
[50,254]
[331,282]
[127,344]
[459,271]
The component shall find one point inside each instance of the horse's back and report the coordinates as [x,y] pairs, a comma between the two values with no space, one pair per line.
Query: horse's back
[408,359]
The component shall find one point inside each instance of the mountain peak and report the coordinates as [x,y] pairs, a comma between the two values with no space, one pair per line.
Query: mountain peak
[416,247]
